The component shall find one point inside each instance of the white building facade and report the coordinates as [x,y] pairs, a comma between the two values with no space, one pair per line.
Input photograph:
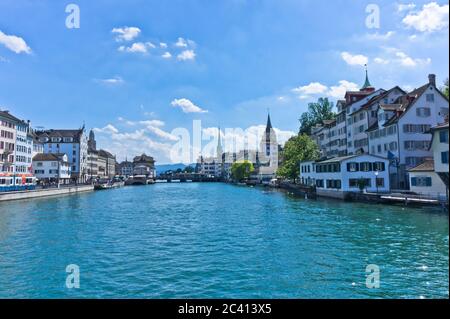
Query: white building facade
[340,175]
[52,168]
[70,142]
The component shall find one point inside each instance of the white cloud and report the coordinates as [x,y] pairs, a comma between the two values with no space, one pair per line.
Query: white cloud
[405,7]
[335,91]
[338,91]
[126,33]
[186,55]
[181,43]
[137,47]
[111,81]
[166,55]
[14,43]
[381,61]
[187,106]
[379,36]
[148,137]
[236,139]
[163,45]
[107,129]
[351,59]
[312,88]
[432,17]
[405,60]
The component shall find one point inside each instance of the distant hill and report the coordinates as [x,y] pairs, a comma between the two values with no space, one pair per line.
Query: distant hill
[167,167]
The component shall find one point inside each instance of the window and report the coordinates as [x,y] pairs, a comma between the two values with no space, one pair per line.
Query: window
[352,167]
[379,148]
[443,137]
[421,181]
[365,167]
[430,97]
[354,183]
[423,111]
[444,157]
[380,182]
[393,146]
[319,183]
[379,166]
[443,111]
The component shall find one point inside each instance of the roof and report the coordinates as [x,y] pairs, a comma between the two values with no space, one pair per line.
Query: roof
[438,127]
[105,154]
[328,122]
[390,107]
[75,134]
[9,116]
[426,166]
[377,99]
[143,158]
[407,101]
[41,157]
[344,158]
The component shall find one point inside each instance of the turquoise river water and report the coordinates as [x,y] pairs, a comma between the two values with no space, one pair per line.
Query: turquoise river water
[219,241]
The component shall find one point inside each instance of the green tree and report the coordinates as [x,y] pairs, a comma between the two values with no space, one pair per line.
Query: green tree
[241,170]
[362,184]
[444,89]
[189,169]
[317,113]
[297,149]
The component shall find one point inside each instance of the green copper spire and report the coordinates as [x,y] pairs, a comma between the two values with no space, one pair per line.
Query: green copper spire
[367,82]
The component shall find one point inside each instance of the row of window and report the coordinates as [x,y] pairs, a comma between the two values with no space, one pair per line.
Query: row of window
[7,146]
[421,181]
[353,183]
[51,171]
[391,130]
[417,145]
[7,124]
[23,149]
[23,159]
[416,128]
[386,147]
[7,134]
[351,167]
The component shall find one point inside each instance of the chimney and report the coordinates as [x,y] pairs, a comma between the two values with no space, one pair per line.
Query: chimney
[432,79]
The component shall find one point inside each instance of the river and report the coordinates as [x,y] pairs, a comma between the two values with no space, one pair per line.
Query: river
[219,241]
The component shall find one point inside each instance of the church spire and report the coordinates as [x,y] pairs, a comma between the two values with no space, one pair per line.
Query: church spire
[219,145]
[269,123]
[367,84]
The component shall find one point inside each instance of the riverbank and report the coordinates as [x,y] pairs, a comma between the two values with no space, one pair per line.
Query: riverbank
[49,192]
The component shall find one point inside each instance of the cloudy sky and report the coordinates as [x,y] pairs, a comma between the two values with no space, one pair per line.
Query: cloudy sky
[136,70]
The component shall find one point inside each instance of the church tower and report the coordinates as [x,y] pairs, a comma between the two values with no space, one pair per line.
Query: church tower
[219,146]
[367,86]
[268,154]
[92,144]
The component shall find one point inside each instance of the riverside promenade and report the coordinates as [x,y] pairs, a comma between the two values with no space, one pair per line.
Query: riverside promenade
[46,192]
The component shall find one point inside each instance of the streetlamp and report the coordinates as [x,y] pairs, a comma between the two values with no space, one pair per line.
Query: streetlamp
[376,179]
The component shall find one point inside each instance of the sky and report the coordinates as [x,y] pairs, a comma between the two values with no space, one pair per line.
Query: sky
[136,72]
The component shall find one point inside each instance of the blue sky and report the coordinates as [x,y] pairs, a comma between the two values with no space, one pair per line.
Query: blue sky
[135,70]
